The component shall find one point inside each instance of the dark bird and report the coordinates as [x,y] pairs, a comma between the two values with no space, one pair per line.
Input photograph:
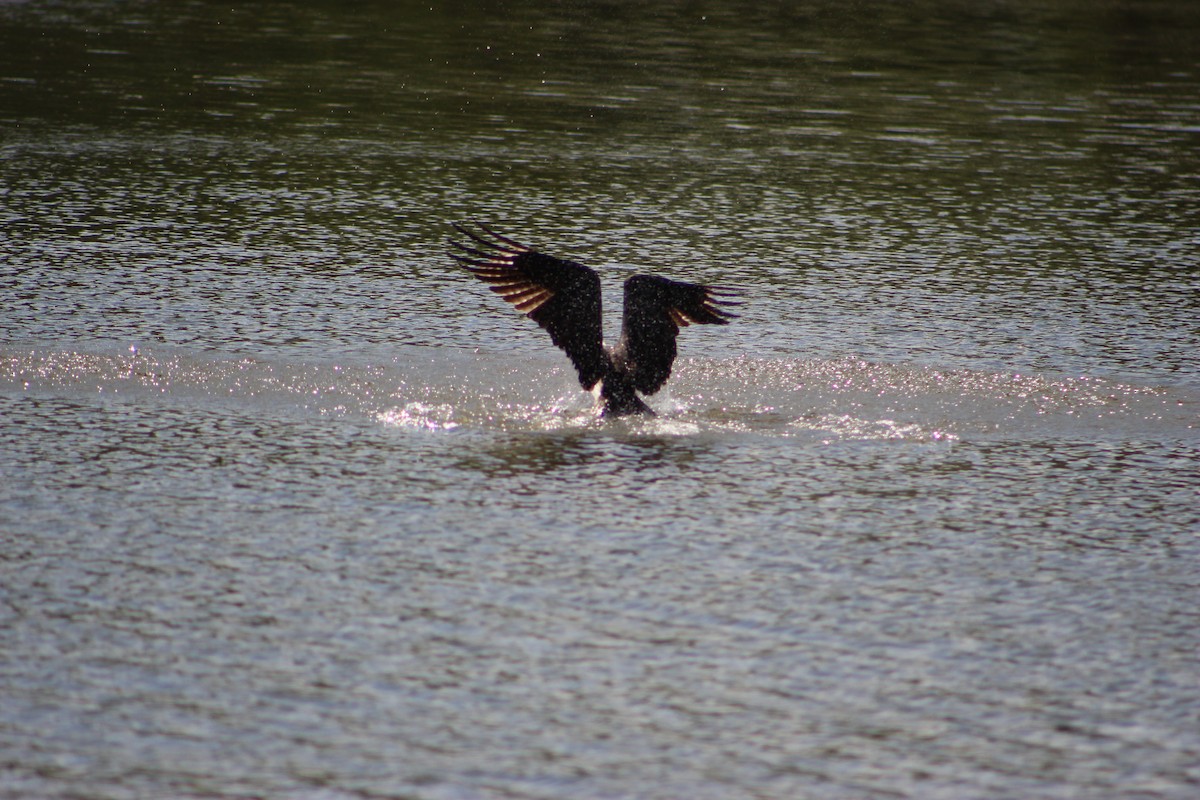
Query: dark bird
[564,298]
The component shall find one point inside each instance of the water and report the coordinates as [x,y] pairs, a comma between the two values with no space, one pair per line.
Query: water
[290,507]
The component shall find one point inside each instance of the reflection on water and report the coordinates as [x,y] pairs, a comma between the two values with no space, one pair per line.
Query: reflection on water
[290,508]
[652,450]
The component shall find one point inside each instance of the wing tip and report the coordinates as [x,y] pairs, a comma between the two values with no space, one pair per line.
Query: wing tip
[492,240]
[719,298]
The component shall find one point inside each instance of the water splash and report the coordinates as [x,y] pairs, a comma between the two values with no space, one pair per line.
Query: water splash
[849,427]
[436,417]
[846,398]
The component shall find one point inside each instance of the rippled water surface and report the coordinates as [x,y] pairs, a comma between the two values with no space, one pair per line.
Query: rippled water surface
[292,507]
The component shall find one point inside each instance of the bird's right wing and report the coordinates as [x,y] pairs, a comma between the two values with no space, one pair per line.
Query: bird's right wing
[561,296]
[655,309]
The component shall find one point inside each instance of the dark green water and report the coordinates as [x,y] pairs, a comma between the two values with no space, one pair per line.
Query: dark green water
[292,507]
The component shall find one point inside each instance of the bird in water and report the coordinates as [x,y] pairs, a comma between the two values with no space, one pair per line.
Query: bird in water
[564,298]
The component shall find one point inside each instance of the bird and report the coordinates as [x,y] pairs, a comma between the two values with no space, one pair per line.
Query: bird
[563,297]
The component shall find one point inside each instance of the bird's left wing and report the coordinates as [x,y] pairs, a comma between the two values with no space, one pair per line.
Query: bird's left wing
[655,309]
[561,296]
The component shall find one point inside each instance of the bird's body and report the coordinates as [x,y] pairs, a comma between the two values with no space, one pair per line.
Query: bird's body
[564,298]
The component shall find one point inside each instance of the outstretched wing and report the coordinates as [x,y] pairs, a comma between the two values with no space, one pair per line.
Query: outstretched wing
[655,310]
[561,296]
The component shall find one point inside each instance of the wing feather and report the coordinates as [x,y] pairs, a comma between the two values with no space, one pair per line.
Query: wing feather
[655,309]
[561,296]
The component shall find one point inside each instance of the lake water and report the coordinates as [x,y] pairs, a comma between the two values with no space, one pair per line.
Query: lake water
[291,506]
